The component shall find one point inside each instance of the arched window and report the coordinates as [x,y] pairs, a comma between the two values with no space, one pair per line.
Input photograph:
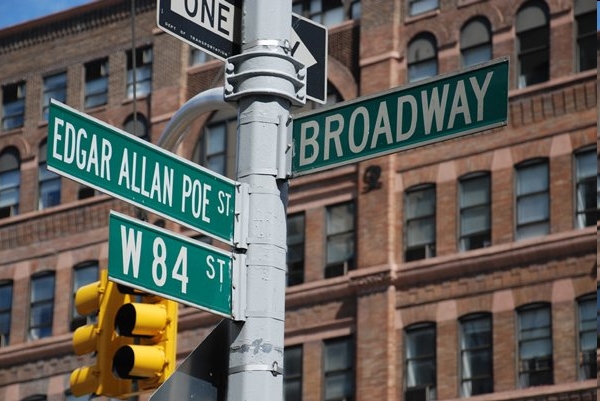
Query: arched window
[534,328]
[476,356]
[475,42]
[48,182]
[420,361]
[215,148]
[422,57]
[6,296]
[10,181]
[533,43]
[137,125]
[475,211]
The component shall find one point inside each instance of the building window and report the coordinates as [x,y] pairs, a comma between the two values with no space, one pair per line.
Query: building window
[13,105]
[585,12]
[533,199]
[328,12]
[295,246]
[475,42]
[422,58]
[416,7]
[41,309]
[339,370]
[340,239]
[10,181]
[83,273]
[535,345]
[6,293]
[533,43]
[55,87]
[141,74]
[586,190]
[137,126]
[292,373]
[419,212]
[476,357]
[420,358]
[475,211]
[588,337]
[215,147]
[96,83]
[48,181]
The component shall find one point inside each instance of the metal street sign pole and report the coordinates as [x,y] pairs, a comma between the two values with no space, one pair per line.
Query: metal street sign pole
[428,111]
[264,79]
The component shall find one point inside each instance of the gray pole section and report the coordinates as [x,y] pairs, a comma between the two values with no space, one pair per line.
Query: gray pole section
[264,81]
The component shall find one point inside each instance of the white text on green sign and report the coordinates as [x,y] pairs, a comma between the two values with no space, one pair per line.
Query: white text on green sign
[154,260]
[96,154]
[430,111]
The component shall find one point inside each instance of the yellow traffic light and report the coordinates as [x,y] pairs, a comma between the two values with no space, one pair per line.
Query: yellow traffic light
[153,321]
[100,297]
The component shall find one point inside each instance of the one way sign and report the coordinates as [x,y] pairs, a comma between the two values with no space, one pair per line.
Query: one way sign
[309,46]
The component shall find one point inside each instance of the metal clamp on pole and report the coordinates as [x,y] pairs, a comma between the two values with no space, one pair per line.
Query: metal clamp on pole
[275,369]
[245,74]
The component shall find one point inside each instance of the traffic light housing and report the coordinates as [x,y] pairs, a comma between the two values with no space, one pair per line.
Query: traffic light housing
[151,322]
[101,297]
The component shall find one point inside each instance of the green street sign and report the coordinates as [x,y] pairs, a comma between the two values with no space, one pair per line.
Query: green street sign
[154,260]
[441,108]
[96,154]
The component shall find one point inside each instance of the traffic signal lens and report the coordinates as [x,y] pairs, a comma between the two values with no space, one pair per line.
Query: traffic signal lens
[87,299]
[84,339]
[138,361]
[83,381]
[136,319]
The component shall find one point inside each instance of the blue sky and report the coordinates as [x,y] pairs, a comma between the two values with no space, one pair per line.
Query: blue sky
[14,12]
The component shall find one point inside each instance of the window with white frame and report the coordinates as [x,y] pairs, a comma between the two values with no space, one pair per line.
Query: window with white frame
[475,42]
[419,224]
[420,359]
[41,307]
[588,337]
[13,105]
[48,182]
[295,246]
[475,211]
[533,43]
[338,369]
[83,274]
[96,83]
[533,199]
[10,182]
[422,57]
[139,70]
[535,345]
[340,239]
[6,296]
[585,22]
[55,87]
[292,373]
[476,356]
[586,188]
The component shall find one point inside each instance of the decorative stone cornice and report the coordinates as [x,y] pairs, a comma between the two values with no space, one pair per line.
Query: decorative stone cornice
[69,22]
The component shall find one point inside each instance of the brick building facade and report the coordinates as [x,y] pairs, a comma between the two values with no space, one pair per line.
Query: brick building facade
[465,268]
